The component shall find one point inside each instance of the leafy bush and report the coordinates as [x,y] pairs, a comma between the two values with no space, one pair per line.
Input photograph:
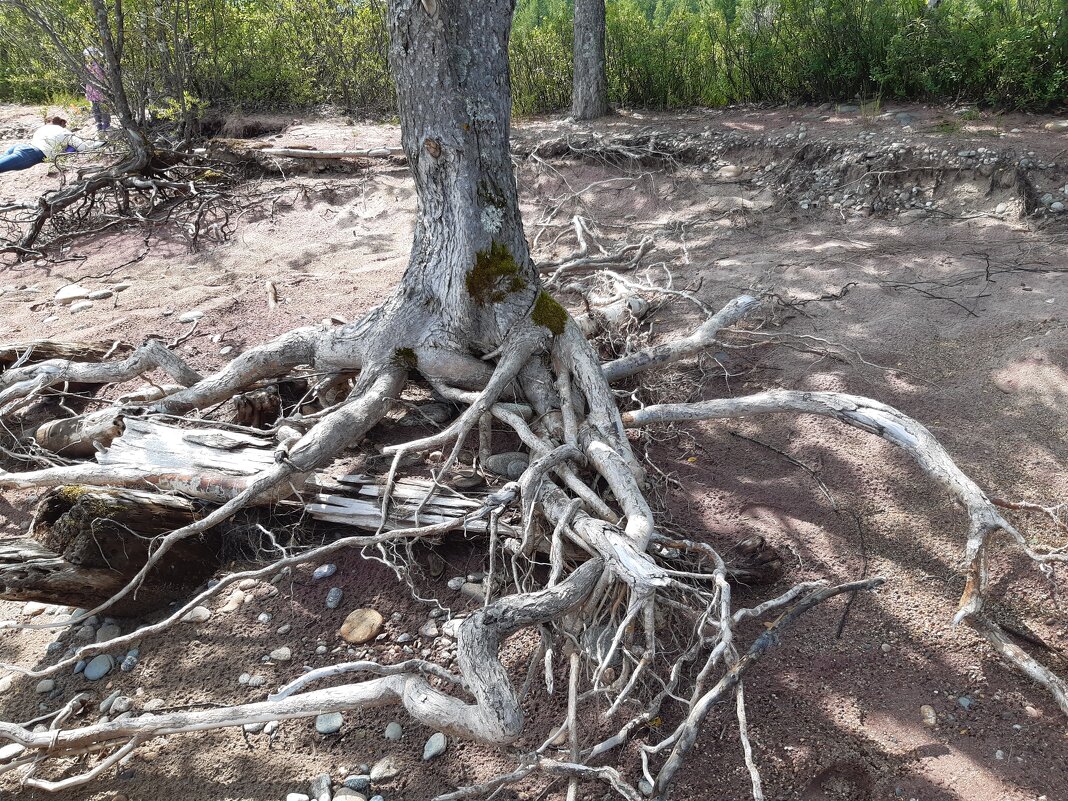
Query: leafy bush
[661,53]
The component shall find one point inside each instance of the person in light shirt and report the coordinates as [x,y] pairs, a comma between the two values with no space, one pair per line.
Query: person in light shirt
[48,142]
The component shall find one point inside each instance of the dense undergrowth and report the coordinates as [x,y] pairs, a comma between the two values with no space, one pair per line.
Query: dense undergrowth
[661,53]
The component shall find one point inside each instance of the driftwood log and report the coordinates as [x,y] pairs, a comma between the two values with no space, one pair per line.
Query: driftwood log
[40,350]
[208,464]
[86,543]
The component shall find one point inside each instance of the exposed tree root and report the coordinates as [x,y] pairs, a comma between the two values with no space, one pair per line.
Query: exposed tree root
[613,580]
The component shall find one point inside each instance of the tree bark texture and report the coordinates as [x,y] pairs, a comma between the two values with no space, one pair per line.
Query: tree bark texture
[470,276]
[589,95]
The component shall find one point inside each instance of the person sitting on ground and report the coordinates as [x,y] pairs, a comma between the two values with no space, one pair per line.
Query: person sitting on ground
[48,142]
[92,90]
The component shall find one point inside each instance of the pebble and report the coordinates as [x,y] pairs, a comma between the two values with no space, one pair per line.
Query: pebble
[190,316]
[377,798]
[266,617]
[71,293]
[965,702]
[129,662]
[999,754]
[33,608]
[362,625]
[1056,206]
[297,797]
[324,571]
[360,783]
[226,350]
[452,626]
[99,667]
[45,686]
[234,602]
[1001,208]
[394,731]
[927,712]
[198,614]
[1032,712]
[283,654]
[284,629]
[101,294]
[243,678]
[885,647]
[109,631]
[346,794]
[333,598]
[257,681]
[120,287]
[429,629]
[435,746]
[510,464]
[79,666]
[121,704]
[247,584]
[456,582]
[320,787]
[105,705]
[253,728]
[155,704]
[384,769]
[329,723]
[80,306]
[645,787]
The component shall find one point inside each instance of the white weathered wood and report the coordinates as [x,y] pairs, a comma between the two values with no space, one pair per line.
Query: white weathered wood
[312,153]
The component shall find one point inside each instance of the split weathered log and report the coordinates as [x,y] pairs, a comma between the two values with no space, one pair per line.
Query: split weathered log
[205,463]
[86,543]
[41,350]
[356,500]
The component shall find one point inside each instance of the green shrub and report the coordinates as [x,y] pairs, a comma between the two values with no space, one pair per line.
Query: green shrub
[661,53]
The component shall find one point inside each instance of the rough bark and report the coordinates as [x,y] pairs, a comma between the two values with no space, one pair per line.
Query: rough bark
[589,95]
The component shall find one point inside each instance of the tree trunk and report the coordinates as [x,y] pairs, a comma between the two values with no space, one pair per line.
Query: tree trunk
[86,543]
[470,276]
[589,96]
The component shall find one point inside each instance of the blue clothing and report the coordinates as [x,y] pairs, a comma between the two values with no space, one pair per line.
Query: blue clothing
[21,157]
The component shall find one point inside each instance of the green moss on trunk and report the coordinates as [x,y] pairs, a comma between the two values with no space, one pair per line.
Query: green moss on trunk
[549,313]
[494,276]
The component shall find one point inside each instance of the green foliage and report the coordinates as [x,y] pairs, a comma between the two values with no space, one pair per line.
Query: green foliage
[184,54]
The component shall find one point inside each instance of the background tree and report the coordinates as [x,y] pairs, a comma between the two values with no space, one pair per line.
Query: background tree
[589,97]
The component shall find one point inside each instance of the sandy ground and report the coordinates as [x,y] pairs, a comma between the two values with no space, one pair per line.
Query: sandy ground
[955,314]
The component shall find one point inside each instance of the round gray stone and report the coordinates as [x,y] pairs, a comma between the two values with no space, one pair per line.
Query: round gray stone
[324,571]
[329,723]
[435,746]
[333,598]
[99,667]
